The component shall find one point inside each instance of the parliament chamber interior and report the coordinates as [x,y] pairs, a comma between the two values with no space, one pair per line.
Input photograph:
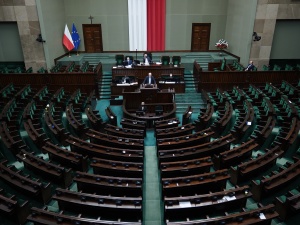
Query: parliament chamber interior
[86,140]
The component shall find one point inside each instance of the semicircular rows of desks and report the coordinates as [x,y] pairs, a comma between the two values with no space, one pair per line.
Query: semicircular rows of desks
[237,163]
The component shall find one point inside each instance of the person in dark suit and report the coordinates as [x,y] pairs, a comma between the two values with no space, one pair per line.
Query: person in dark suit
[126,80]
[128,62]
[143,108]
[147,59]
[250,66]
[149,79]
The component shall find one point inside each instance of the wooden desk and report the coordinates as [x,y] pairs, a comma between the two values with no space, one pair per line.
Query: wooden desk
[118,89]
[152,98]
[140,72]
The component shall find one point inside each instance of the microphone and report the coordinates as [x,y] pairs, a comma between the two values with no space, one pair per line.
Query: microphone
[136,54]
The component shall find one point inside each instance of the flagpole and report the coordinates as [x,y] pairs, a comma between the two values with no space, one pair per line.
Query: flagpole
[69,53]
[77,53]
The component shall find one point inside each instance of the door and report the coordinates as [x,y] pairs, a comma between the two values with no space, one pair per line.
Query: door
[92,35]
[200,36]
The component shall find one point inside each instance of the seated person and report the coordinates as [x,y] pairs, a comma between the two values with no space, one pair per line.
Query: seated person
[142,109]
[126,80]
[147,60]
[149,79]
[128,61]
[250,66]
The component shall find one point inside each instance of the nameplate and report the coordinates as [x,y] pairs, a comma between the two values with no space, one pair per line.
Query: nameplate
[123,84]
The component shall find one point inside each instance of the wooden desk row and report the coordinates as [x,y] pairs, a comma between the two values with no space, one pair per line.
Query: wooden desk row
[289,204]
[13,208]
[106,152]
[117,168]
[195,184]
[263,215]
[191,140]
[199,150]
[254,166]
[195,206]
[107,185]
[235,155]
[46,217]
[174,132]
[69,158]
[53,172]
[31,187]
[124,132]
[114,141]
[185,167]
[140,72]
[123,208]
[276,180]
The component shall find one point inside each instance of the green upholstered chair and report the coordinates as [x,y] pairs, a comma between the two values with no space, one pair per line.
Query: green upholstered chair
[222,67]
[119,60]
[130,57]
[165,60]
[265,68]
[176,60]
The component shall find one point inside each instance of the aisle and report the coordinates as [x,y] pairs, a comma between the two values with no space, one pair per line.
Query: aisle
[152,201]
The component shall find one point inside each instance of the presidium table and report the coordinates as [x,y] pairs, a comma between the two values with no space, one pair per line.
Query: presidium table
[161,73]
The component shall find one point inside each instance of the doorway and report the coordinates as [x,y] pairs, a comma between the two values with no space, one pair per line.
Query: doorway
[92,35]
[200,37]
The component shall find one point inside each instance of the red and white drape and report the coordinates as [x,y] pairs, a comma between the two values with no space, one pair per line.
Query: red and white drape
[147,19]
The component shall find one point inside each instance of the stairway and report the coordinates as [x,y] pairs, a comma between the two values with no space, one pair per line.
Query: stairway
[190,97]
[104,86]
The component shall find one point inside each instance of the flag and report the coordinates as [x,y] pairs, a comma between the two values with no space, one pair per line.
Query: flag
[75,37]
[146,20]
[67,39]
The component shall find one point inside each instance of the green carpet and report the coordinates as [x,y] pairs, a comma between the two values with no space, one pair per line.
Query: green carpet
[152,199]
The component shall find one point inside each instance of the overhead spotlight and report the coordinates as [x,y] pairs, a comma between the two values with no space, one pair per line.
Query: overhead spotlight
[256,37]
[40,39]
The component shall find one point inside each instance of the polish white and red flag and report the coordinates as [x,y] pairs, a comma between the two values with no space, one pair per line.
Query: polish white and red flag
[67,39]
[147,21]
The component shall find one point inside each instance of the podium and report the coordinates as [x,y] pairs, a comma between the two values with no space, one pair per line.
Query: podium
[152,97]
